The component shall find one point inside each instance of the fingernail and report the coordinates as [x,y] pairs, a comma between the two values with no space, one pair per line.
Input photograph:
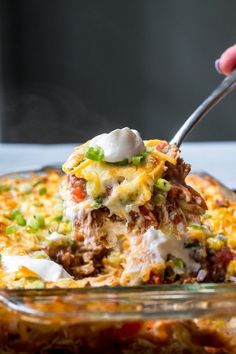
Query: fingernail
[217,66]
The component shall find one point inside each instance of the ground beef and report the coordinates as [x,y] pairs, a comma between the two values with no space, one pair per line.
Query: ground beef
[150,215]
[98,216]
[177,172]
[217,262]
[77,259]
[75,182]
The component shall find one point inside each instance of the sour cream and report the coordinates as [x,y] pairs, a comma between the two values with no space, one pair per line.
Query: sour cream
[45,268]
[153,249]
[120,144]
[160,245]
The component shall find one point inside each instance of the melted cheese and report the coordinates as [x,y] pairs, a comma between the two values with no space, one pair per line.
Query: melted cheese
[120,185]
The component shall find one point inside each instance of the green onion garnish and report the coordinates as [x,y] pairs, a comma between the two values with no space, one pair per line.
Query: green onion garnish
[163,185]
[40,219]
[32,225]
[97,202]
[197,227]
[11,229]
[179,263]
[58,218]
[137,159]
[18,217]
[20,220]
[35,222]
[14,214]
[121,163]
[95,153]
[42,191]
[4,188]
[206,215]
[37,183]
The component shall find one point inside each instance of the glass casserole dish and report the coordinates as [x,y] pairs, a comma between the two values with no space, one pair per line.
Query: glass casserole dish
[189,318]
[195,318]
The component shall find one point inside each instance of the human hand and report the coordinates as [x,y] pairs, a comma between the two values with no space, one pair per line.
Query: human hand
[227,62]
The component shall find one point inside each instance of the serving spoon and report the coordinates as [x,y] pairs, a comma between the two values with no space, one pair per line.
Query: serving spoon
[225,87]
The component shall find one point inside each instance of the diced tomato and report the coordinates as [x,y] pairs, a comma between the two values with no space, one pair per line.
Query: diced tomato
[78,194]
[150,324]
[161,145]
[155,278]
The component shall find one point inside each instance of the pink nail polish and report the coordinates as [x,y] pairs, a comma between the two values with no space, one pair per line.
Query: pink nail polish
[217,66]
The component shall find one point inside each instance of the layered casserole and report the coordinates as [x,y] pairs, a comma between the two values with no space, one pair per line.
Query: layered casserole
[125,213]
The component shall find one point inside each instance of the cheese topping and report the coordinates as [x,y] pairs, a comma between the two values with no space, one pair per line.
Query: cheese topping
[119,184]
[120,144]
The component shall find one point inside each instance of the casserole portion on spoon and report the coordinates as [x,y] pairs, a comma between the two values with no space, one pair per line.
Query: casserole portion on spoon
[129,204]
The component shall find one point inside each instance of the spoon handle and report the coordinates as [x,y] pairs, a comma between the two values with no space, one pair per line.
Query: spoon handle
[226,86]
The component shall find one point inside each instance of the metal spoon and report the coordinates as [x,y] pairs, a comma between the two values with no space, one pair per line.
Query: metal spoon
[226,86]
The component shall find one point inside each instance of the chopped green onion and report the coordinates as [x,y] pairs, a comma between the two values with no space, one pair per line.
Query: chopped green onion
[20,220]
[14,214]
[97,202]
[32,225]
[163,185]
[95,153]
[179,263]
[11,229]
[40,220]
[58,218]
[197,227]
[42,191]
[37,183]
[121,163]
[35,222]
[206,216]
[4,188]
[137,159]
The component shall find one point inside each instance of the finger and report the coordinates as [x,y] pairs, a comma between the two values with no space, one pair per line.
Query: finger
[227,61]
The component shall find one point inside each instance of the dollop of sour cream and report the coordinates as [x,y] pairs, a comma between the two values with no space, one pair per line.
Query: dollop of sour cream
[160,245]
[153,249]
[119,144]
[45,268]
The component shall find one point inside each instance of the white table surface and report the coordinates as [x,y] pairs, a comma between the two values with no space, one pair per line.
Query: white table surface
[216,158]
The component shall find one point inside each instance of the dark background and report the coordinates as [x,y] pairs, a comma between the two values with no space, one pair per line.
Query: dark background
[71,69]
